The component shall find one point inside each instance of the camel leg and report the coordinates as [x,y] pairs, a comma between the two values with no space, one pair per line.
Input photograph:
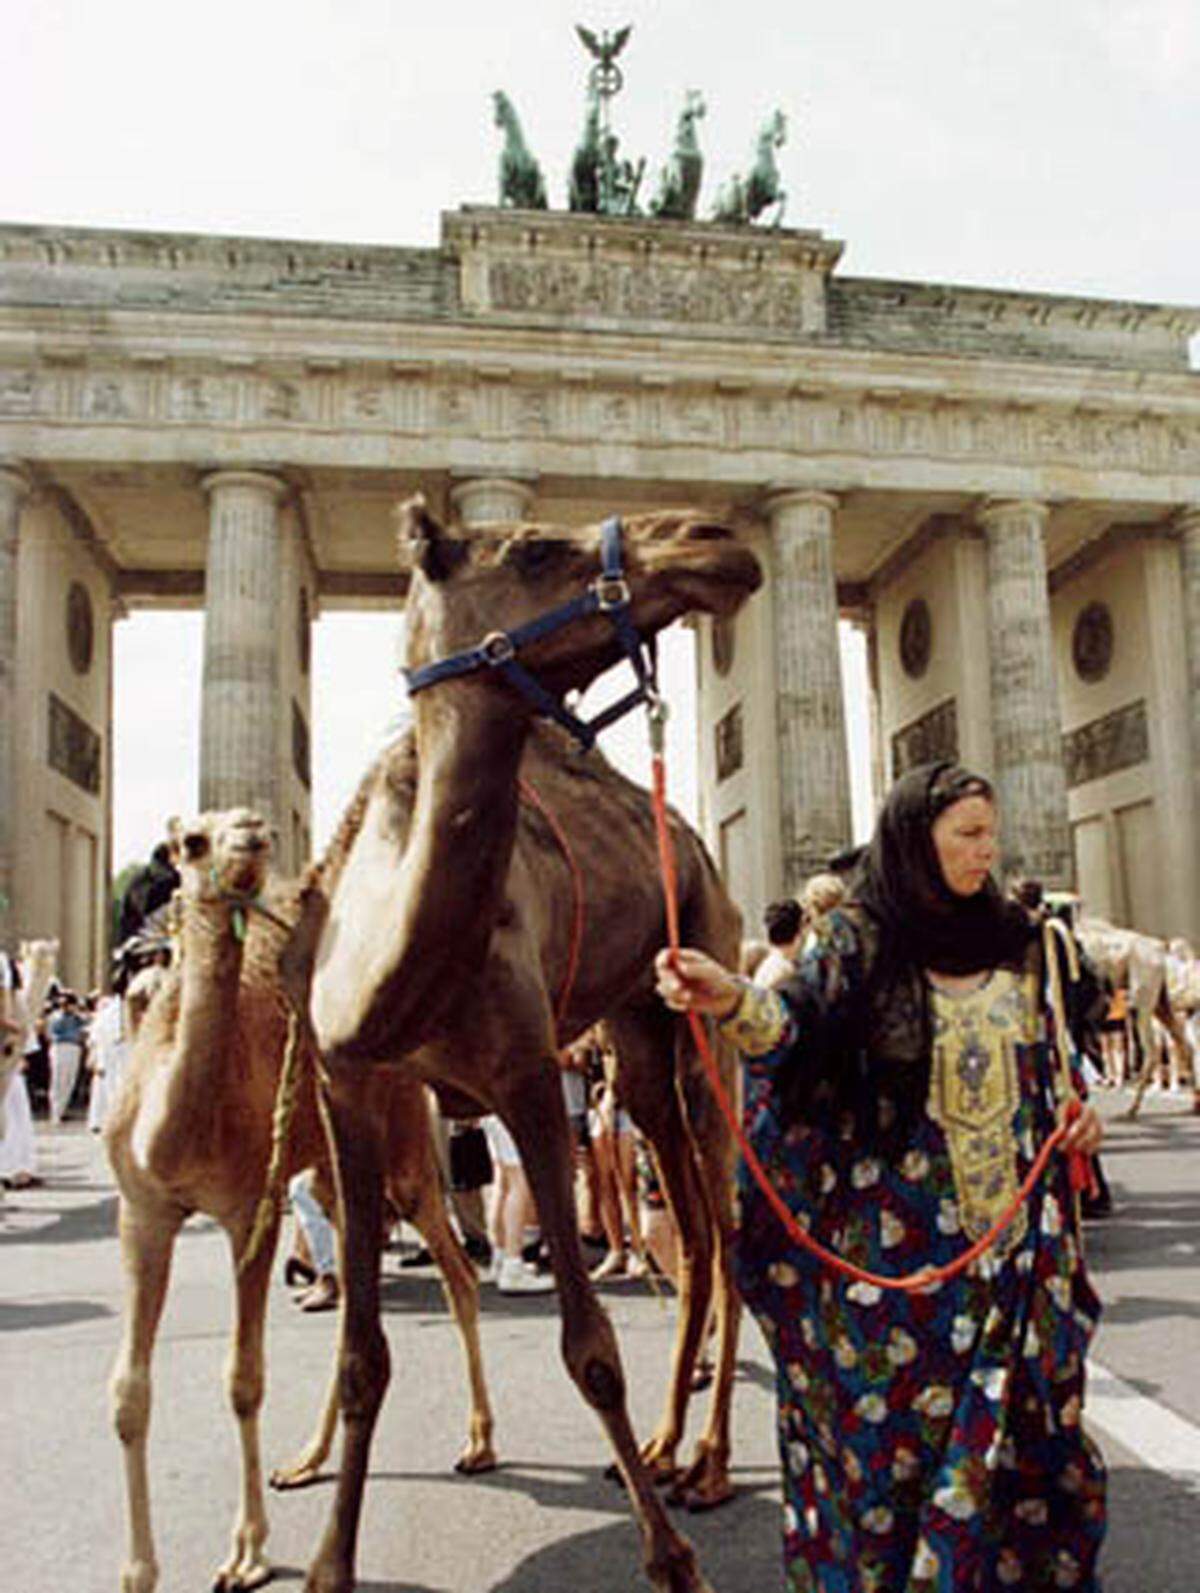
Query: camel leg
[247,1566]
[461,1287]
[535,1114]
[1183,1050]
[147,1244]
[645,1038]
[306,1467]
[706,1482]
[364,1363]
[1144,1047]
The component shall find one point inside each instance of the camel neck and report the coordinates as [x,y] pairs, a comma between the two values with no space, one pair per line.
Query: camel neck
[409,932]
[192,1093]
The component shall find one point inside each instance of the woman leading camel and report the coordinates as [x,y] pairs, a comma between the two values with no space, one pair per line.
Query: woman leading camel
[897,1089]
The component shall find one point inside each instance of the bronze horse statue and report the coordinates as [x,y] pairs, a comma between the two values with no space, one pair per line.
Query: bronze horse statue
[742,199]
[522,186]
[679,180]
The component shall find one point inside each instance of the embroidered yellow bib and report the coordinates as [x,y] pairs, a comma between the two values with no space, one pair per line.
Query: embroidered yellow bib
[974,1091]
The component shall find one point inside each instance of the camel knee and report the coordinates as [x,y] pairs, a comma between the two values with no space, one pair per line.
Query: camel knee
[130,1398]
[245,1391]
[595,1365]
[362,1379]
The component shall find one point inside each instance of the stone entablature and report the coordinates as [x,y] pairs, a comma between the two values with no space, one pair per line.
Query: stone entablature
[927,317]
[852,421]
[550,268]
[196,273]
[652,275]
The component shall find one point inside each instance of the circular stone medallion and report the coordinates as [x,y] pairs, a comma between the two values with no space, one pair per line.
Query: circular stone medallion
[1092,642]
[916,638]
[81,628]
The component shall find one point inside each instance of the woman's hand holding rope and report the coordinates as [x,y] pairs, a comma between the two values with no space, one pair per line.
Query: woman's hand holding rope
[691,981]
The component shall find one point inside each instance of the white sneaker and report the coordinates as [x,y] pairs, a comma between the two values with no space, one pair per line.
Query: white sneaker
[515,1277]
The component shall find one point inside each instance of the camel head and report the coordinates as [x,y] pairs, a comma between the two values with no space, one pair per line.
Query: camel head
[676,561]
[223,856]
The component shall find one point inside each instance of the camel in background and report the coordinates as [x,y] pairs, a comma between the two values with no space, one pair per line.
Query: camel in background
[191,1131]
[436,930]
[1138,964]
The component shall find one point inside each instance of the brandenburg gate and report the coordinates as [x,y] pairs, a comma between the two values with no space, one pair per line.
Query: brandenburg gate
[1002,488]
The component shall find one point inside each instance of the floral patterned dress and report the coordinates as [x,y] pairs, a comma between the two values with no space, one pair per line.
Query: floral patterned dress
[930,1442]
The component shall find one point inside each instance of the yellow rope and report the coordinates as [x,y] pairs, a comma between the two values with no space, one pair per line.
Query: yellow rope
[288,1093]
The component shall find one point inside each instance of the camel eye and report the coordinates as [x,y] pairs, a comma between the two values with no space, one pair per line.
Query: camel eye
[531,558]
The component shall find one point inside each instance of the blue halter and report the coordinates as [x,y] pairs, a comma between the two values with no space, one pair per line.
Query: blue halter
[608,594]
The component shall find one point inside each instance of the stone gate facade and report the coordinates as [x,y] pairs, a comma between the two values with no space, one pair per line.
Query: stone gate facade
[1002,488]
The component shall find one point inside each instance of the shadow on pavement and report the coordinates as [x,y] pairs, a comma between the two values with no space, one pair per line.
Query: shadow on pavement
[81,1223]
[48,1313]
[738,1547]
[1149,1515]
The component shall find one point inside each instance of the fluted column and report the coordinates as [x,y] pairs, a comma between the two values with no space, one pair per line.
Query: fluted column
[1026,728]
[814,779]
[240,736]
[1189,549]
[14,489]
[491,500]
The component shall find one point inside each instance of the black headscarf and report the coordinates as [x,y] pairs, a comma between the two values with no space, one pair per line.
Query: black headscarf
[922,923]
[874,1059]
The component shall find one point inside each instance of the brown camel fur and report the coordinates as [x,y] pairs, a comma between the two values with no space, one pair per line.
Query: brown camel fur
[191,1132]
[445,941]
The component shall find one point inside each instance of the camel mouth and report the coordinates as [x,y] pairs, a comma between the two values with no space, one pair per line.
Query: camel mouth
[730,574]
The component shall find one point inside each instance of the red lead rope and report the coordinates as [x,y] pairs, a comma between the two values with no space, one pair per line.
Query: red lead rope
[912,1282]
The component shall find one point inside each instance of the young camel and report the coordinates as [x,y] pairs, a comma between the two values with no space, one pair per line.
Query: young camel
[191,1132]
[443,940]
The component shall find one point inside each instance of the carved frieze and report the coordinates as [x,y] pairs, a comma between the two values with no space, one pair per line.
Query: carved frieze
[934,735]
[73,747]
[1117,740]
[556,406]
[634,291]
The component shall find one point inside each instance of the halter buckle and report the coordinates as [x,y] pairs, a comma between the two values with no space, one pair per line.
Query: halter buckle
[497,647]
[611,591]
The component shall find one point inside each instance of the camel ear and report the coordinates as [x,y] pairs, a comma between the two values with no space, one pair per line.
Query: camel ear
[423,543]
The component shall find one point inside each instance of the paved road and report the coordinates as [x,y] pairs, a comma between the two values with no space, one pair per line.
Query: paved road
[547,1522]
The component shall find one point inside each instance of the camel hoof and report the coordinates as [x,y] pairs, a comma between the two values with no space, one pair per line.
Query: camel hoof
[472,1462]
[242,1581]
[709,1497]
[300,1475]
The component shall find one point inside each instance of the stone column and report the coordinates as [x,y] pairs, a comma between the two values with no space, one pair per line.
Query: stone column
[14,489]
[240,735]
[814,778]
[1026,729]
[491,500]
[1189,549]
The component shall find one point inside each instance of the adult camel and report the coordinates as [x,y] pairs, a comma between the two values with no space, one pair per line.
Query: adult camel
[1138,963]
[191,1131]
[434,935]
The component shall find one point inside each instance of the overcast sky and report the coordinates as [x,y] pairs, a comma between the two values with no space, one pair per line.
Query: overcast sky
[1016,143]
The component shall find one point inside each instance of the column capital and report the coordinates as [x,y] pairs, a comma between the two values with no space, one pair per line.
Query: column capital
[261,481]
[778,498]
[995,511]
[1186,521]
[478,500]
